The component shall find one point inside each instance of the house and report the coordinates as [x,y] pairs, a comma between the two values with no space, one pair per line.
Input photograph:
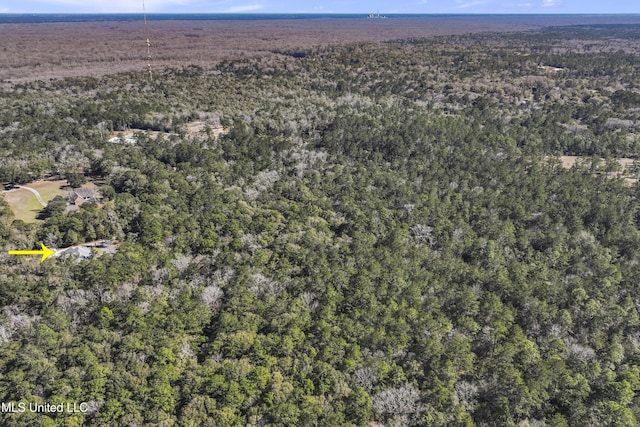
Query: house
[81,252]
[86,195]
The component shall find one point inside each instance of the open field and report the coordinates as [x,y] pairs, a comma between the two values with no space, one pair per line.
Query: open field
[128,136]
[627,166]
[197,127]
[54,50]
[24,203]
[192,129]
[569,161]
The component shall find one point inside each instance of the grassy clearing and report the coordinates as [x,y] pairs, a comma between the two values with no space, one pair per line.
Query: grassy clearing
[24,204]
[627,167]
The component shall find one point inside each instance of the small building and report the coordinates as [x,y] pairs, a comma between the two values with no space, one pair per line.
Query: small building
[80,252]
[86,195]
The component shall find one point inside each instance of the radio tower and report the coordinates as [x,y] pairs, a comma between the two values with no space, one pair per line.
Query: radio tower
[144,12]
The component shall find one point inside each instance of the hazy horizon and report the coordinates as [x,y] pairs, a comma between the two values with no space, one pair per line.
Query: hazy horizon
[321,7]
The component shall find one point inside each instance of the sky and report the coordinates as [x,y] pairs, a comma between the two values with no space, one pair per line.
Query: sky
[320,6]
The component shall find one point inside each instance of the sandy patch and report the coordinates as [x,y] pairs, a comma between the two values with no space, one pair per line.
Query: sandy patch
[628,169]
[194,128]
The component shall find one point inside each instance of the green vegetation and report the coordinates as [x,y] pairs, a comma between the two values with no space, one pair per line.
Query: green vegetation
[25,205]
[380,236]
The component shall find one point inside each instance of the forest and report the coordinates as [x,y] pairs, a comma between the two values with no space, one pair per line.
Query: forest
[369,234]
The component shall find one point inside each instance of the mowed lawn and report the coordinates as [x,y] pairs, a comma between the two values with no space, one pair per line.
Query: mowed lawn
[23,202]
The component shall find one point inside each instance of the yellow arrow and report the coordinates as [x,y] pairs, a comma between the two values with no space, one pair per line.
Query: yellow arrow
[45,252]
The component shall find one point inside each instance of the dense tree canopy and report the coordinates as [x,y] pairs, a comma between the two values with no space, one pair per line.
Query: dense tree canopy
[382,232]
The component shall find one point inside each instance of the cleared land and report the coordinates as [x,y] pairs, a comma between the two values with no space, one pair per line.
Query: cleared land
[628,168]
[25,205]
[192,129]
[55,50]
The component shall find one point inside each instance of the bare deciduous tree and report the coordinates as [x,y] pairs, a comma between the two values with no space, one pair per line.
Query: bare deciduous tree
[402,402]
[423,234]
[265,286]
[467,393]
[365,377]
[310,301]
[212,296]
